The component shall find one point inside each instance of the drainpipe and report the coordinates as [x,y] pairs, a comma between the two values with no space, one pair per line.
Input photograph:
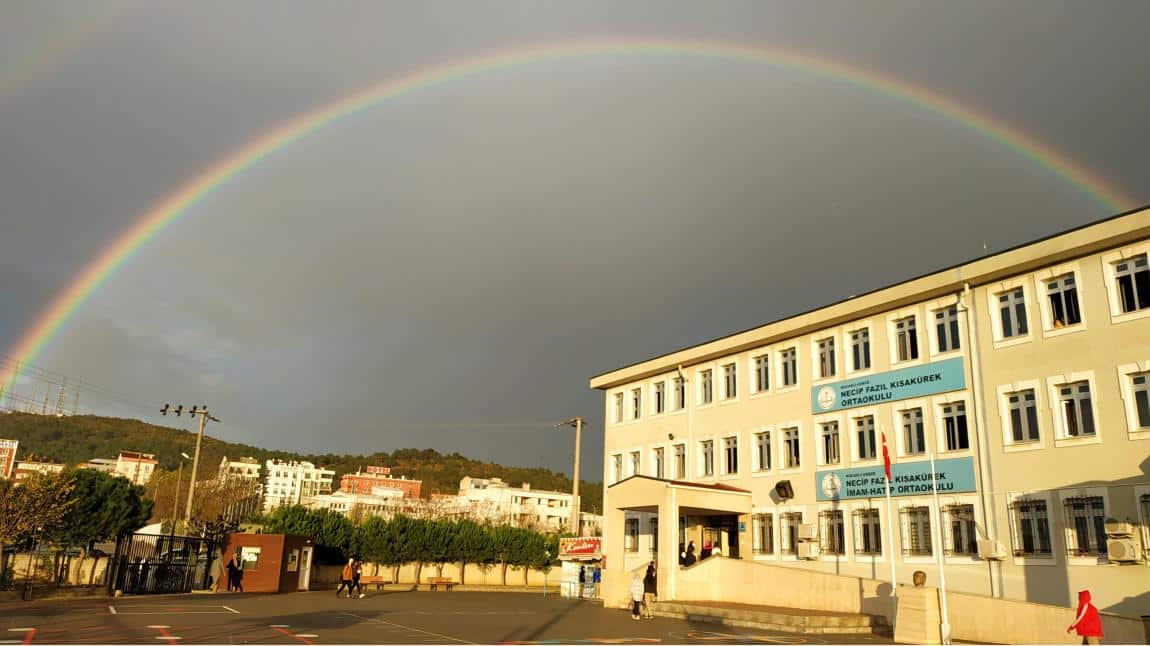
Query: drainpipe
[985,479]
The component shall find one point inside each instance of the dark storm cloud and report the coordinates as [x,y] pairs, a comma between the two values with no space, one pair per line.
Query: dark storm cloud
[448,268]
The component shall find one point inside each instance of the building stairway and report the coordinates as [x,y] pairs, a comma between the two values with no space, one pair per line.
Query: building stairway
[792,620]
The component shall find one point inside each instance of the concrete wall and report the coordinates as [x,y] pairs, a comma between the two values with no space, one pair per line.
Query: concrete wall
[328,575]
[984,619]
[90,570]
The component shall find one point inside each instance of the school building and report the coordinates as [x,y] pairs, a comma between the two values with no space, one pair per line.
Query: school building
[1026,373]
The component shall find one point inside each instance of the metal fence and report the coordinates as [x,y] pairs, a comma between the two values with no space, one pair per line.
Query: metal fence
[148,564]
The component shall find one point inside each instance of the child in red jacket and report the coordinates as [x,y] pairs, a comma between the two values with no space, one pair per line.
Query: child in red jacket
[1088,623]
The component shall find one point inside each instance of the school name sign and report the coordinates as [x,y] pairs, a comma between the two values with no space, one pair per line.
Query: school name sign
[905,383]
[953,475]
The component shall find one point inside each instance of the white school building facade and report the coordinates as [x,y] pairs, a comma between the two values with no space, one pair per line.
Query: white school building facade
[1026,373]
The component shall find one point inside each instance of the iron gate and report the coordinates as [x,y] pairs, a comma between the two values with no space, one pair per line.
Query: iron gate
[150,564]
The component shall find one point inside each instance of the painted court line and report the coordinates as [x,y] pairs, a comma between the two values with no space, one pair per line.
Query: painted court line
[230,609]
[425,632]
[112,609]
[164,634]
[294,636]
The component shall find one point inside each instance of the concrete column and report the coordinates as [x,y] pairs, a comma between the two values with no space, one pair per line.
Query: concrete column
[614,586]
[668,563]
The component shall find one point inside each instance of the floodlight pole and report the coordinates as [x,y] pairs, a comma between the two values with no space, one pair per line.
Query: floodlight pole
[576,526]
[204,415]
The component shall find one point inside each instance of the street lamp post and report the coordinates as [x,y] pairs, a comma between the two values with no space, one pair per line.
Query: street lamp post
[576,526]
[202,411]
[179,484]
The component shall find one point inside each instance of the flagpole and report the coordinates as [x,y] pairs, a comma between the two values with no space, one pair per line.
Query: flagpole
[945,627]
[889,521]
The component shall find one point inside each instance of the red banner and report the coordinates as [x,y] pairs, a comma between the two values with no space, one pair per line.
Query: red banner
[581,546]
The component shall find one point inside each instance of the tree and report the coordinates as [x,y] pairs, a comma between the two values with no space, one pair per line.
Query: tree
[39,503]
[472,544]
[103,507]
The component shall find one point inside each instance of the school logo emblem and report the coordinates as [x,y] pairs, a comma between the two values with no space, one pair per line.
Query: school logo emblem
[827,397]
[831,485]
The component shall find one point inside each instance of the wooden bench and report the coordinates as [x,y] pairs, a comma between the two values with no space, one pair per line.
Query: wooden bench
[378,581]
[436,582]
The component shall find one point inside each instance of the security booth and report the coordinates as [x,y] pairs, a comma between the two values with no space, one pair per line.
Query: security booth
[643,514]
[269,562]
[582,553]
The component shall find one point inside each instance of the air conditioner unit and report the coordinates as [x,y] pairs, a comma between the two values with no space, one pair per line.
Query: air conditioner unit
[991,550]
[808,550]
[1122,550]
[1119,528]
[808,532]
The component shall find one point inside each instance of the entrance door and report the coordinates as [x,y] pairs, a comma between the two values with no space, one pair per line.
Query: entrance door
[305,568]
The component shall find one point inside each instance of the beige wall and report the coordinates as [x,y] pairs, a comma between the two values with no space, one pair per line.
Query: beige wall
[1117,467]
[475,575]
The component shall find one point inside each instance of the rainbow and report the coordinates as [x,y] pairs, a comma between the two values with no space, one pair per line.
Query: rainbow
[180,202]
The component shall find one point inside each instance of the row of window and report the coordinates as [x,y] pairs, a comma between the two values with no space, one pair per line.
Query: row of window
[1074,417]
[1061,309]
[1083,522]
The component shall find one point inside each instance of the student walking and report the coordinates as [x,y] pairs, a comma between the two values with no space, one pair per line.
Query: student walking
[345,578]
[1087,622]
[650,590]
[636,596]
[356,573]
[233,574]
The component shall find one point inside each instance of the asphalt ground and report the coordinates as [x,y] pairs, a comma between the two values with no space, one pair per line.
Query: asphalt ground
[380,618]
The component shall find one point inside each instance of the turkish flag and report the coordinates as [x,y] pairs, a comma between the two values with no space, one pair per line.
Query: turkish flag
[885,458]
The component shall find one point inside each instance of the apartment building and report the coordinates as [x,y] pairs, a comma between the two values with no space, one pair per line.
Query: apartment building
[8,457]
[245,469]
[1024,373]
[290,483]
[375,477]
[29,468]
[384,501]
[493,500]
[135,466]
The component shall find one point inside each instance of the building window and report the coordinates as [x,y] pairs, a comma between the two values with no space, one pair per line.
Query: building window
[913,435]
[1085,522]
[635,459]
[954,426]
[654,525]
[660,397]
[763,538]
[706,391]
[1077,411]
[1023,416]
[763,451]
[827,358]
[730,381]
[916,531]
[864,429]
[946,329]
[1140,389]
[860,349]
[1012,310]
[659,463]
[961,537]
[708,457]
[790,361]
[631,535]
[906,339]
[832,539]
[762,373]
[1030,527]
[1133,278]
[1144,507]
[829,433]
[680,460]
[636,403]
[618,407]
[868,532]
[791,448]
[790,522]
[680,393]
[731,454]
[1063,295]
[617,467]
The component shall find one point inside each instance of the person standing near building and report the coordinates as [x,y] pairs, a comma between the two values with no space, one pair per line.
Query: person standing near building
[1087,622]
[356,573]
[582,579]
[636,596]
[345,578]
[596,578]
[689,559]
[650,590]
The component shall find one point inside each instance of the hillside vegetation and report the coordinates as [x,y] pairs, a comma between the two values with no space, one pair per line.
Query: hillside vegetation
[76,439]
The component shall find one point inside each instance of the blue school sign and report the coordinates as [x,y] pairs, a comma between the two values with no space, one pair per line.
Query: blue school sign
[928,379]
[954,475]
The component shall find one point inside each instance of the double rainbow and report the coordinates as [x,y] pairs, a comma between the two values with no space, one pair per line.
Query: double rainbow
[180,202]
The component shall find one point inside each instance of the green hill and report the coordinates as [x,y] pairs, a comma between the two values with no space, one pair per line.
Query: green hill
[72,440]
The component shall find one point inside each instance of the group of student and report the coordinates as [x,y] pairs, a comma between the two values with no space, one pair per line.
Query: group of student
[643,593]
[349,579]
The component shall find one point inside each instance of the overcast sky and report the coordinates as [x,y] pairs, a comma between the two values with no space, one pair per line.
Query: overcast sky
[448,268]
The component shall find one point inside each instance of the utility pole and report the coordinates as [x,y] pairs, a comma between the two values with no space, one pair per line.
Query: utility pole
[202,411]
[577,422]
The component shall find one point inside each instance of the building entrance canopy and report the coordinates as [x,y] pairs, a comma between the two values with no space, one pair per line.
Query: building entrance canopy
[647,494]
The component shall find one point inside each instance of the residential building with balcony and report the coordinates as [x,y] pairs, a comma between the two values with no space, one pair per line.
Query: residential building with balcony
[290,483]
